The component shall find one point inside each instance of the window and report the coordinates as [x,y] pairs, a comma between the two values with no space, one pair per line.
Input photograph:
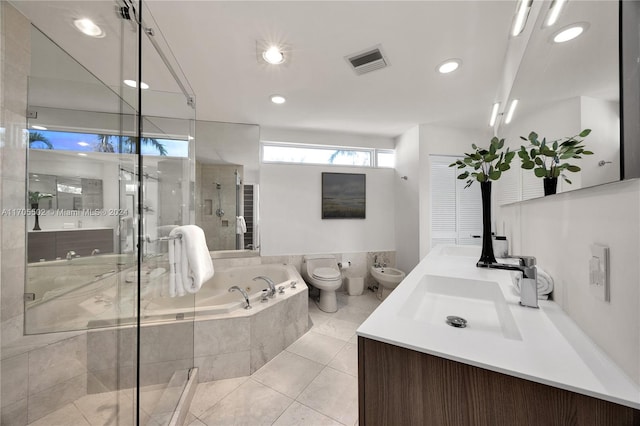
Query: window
[386,159]
[331,155]
[456,211]
[92,142]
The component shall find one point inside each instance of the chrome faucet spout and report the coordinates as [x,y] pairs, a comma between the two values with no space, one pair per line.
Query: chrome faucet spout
[70,254]
[244,294]
[270,283]
[529,281]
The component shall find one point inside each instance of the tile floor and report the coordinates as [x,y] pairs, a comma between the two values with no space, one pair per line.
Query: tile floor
[311,383]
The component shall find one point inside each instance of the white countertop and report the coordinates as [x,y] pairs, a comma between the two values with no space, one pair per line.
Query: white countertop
[552,349]
[71,229]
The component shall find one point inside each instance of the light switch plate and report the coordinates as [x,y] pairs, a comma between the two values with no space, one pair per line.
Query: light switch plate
[599,272]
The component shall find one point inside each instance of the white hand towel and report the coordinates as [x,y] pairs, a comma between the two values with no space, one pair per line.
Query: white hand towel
[544,283]
[241,225]
[189,260]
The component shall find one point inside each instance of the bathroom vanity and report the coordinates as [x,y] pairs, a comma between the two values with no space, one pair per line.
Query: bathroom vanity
[54,244]
[511,365]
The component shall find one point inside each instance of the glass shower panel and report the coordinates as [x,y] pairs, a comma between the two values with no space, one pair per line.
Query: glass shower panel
[79,273]
[166,352]
[81,119]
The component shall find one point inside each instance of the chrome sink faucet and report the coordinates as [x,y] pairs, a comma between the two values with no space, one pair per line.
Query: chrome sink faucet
[270,283]
[529,282]
[70,254]
[244,294]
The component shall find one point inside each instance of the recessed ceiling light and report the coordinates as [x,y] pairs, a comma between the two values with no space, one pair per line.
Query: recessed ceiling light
[38,127]
[569,33]
[273,55]
[82,154]
[450,65]
[87,27]
[132,83]
[83,144]
[278,99]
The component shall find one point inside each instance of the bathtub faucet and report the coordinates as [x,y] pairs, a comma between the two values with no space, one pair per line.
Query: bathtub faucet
[270,283]
[244,294]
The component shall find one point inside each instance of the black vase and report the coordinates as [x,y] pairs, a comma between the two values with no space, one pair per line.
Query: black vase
[550,185]
[36,227]
[487,257]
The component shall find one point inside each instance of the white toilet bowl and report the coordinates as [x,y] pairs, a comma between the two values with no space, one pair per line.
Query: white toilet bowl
[323,273]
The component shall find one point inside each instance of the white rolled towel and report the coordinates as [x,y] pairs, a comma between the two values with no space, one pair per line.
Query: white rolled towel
[241,225]
[544,283]
[190,262]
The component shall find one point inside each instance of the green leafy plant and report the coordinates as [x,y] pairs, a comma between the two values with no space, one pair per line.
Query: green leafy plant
[545,157]
[487,163]
[36,196]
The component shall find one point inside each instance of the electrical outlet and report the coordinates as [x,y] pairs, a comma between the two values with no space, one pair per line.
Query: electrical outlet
[599,272]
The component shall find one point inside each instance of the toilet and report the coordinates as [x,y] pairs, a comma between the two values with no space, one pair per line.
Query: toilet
[323,273]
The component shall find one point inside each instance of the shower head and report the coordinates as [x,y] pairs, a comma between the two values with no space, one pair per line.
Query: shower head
[218,186]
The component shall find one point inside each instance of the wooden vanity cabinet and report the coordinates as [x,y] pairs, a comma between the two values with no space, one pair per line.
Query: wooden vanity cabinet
[49,245]
[402,387]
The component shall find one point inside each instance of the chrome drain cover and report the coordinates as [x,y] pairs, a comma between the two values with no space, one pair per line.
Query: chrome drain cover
[455,321]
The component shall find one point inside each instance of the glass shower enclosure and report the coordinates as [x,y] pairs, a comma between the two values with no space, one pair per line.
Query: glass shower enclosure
[110,172]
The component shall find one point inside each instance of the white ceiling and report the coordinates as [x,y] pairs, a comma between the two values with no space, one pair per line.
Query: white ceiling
[215,45]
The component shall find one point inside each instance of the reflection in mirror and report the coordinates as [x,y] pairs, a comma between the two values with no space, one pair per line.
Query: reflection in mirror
[83,154]
[227,187]
[563,88]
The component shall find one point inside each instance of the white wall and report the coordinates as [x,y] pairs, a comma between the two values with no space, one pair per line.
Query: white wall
[559,230]
[274,134]
[438,140]
[290,212]
[407,199]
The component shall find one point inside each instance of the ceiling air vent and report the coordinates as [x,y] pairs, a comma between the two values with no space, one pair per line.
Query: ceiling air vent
[368,60]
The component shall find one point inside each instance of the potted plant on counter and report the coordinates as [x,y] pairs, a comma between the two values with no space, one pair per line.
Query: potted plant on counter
[486,164]
[34,201]
[546,157]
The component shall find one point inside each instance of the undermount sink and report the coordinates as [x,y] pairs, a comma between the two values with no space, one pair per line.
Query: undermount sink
[387,277]
[480,303]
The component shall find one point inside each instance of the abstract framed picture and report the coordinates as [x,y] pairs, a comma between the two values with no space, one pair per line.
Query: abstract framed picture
[343,195]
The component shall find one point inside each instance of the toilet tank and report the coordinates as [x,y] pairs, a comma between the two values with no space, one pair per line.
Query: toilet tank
[320,261]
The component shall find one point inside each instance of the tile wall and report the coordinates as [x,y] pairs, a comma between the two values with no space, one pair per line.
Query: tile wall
[15,66]
[361,263]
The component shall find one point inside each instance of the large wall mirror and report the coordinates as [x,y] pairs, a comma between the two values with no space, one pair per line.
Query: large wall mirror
[563,88]
[227,187]
[84,176]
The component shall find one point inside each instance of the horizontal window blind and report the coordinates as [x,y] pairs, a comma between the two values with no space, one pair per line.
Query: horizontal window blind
[456,211]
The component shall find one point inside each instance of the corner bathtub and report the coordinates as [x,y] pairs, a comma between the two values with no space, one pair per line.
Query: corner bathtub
[215,333]
[214,297]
